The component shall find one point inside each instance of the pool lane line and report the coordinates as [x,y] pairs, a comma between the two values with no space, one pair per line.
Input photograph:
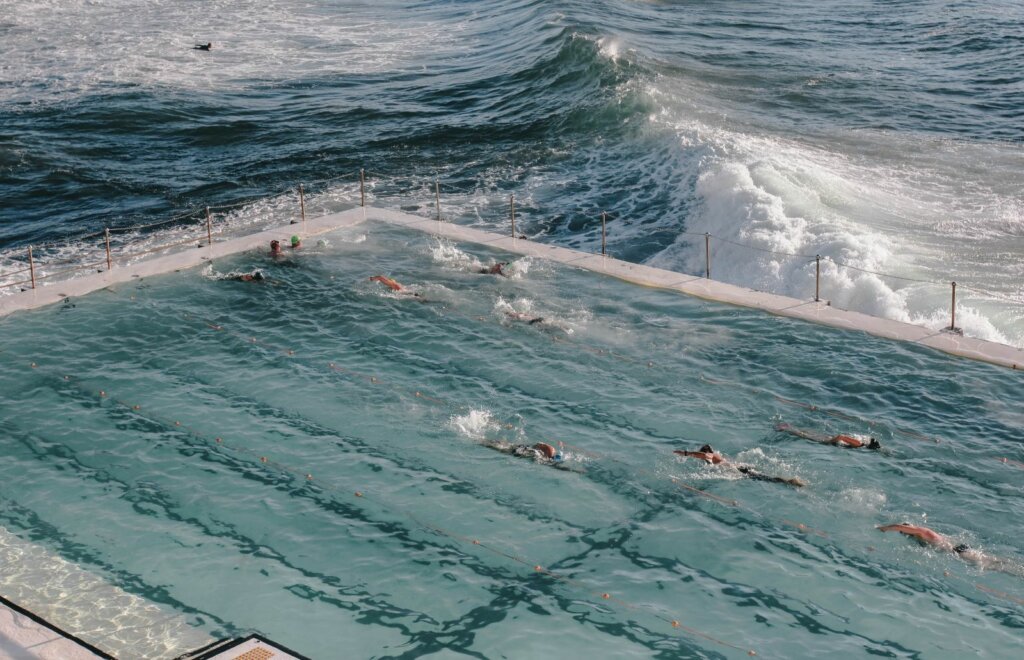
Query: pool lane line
[463,407]
[815,408]
[327,487]
[605,595]
[296,473]
[802,527]
[418,394]
[999,594]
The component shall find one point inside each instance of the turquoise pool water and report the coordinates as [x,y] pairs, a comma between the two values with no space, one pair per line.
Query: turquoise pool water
[320,372]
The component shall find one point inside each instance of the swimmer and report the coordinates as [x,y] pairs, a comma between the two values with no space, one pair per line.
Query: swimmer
[206,46]
[387,281]
[275,248]
[933,539]
[712,457]
[254,276]
[540,452]
[839,440]
[520,316]
[395,286]
[296,242]
[496,269]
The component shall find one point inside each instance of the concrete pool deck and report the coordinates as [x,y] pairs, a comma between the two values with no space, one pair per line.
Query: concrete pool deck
[692,285]
[23,635]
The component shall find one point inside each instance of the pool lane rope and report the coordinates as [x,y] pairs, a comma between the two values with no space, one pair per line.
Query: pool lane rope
[815,408]
[302,475]
[418,394]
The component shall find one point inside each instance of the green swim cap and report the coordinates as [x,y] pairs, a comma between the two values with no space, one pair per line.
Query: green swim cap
[295,240]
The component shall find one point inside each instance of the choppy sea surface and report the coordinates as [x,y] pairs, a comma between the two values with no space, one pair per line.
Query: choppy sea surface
[885,136]
[888,138]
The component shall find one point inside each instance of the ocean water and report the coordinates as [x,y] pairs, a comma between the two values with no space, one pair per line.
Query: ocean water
[304,457]
[887,138]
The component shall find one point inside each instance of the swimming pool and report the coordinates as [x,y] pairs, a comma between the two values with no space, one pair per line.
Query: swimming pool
[321,384]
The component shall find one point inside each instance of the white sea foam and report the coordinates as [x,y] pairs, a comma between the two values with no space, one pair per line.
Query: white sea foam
[476,424]
[446,253]
[933,216]
[862,500]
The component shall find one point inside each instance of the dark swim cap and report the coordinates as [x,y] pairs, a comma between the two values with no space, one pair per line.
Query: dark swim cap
[258,275]
[707,449]
[962,548]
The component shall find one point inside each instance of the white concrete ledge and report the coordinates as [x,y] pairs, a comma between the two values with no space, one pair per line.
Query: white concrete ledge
[817,312]
[23,637]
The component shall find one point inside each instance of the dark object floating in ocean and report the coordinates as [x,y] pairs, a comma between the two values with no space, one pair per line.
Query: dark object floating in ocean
[206,46]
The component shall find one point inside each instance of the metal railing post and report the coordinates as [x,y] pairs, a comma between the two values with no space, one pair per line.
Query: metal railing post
[302,208]
[952,314]
[106,238]
[817,277]
[362,187]
[604,233]
[437,198]
[32,266]
[209,228]
[707,255]
[512,213]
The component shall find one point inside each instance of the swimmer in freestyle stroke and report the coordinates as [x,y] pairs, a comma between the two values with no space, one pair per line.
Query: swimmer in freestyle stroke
[527,318]
[207,46]
[394,286]
[712,457]
[496,269]
[540,452]
[931,538]
[254,276]
[839,440]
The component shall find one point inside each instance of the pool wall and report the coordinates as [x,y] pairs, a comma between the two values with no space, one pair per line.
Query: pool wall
[815,311]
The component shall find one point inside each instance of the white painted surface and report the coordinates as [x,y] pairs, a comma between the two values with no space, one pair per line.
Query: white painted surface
[86,606]
[21,638]
[817,312]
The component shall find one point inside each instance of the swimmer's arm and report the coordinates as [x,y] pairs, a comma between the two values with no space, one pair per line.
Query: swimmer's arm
[902,528]
[800,433]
